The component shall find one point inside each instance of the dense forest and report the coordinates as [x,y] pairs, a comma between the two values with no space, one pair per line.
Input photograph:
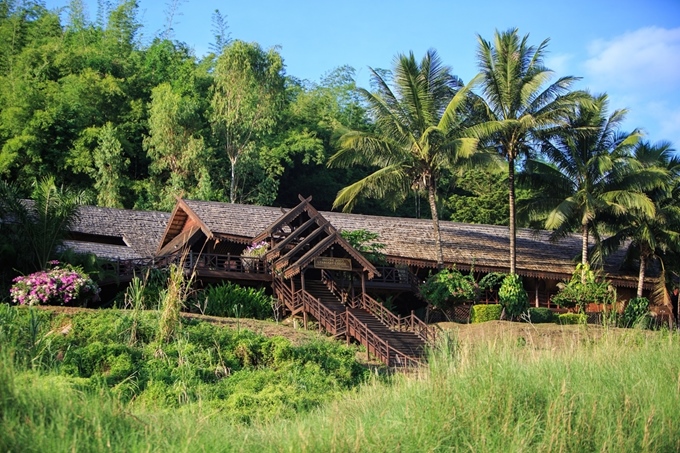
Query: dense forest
[134,125]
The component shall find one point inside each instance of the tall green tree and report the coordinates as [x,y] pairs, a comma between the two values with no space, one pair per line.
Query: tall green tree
[110,168]
[651,236]
[589,172]
[248,93]
[179,159]
[419,134]
[514,86]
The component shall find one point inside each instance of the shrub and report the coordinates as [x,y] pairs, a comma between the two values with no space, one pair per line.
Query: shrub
[585,287]
[60,285]
[366,243]
[252,254]
[538,315]
[449,287]
[636,313]
[572,318]
[512,296]
[226,299]
[485,312]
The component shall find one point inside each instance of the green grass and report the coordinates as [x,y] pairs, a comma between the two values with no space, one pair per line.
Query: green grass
[619,393]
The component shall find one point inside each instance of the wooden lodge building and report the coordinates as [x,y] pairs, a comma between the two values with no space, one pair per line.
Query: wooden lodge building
[215,228]
[316,273]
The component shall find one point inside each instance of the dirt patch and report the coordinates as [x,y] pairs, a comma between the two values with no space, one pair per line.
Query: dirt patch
[538,336]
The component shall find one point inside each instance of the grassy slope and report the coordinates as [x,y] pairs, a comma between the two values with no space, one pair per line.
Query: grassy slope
[613,391]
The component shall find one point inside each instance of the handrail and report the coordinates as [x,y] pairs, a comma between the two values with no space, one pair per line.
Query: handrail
[410,323]
[284,293]
[376,345]
[192,260]
[334,322]
[426,332]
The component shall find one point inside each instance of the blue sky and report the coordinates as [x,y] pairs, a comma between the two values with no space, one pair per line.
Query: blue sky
[628,49]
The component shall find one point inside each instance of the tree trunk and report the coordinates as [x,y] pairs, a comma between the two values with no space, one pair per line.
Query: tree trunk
[513,234]
[435,221]
[641,278]
[232,183]
[584,251]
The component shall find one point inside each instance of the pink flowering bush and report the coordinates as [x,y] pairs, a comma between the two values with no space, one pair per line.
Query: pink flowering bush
[60,285]
[256,250]
[251,255]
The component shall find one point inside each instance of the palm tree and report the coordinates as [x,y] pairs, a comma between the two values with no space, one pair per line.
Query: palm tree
[589,172]
[512,86]
[36,229]
[420,132]
[651,236]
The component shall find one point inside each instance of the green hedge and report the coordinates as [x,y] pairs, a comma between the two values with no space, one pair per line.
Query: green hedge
[484,312]
[572,318]
[541,315]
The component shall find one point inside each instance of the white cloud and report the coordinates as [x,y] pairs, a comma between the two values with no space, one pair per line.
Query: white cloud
[647,58]
[559,64]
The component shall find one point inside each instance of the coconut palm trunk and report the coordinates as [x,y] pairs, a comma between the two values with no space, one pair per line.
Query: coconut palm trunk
[431,195]
[641,277]
[511,202]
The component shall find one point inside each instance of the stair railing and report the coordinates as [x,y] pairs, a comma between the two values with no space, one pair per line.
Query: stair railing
[409,323]
[376,345]
[286,295]
[332,321]
[425,331]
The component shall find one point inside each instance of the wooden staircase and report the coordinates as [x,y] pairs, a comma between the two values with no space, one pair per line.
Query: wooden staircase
[398,342]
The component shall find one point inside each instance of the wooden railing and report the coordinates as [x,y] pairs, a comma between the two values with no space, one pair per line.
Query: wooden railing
[332,285]
[283,292]
[333,322]
[376,345]
[409,323]
[228,262]
[396,276]
[191,261]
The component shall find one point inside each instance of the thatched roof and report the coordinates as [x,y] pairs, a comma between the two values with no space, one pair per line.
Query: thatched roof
[411,241]
[118,233]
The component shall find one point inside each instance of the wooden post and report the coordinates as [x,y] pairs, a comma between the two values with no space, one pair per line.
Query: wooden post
[302,279]
[304,318]
[363,284]
[537,283]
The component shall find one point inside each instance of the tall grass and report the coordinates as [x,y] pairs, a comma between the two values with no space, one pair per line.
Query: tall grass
[620,393]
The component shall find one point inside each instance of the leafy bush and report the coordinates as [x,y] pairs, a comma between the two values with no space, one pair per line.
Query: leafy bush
[449,287]
[365,242]
[247,376]
[229,300]
[492,281]
[636,313]
[512,296]
[538,315]
[572,318]
[60,285]
[485,312]
[585,287]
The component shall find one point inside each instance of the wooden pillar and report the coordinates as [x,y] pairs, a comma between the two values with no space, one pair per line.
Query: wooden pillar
[304,319]
[302,279]
[363,284]
[538,282]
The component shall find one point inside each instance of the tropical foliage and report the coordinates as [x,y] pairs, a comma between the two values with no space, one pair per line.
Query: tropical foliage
[513,86]
[512,296]
[449,287]
[422,130]
[585,287]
